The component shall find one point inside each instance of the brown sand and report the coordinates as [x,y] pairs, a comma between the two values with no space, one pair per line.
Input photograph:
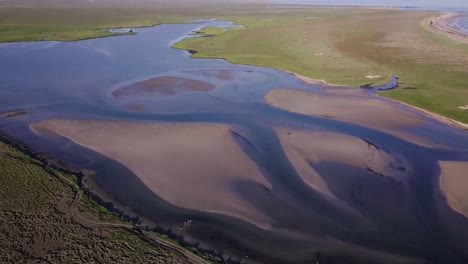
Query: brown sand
[308,80]
[13,113]
[191,165]
[438,117]
[225,75]
[304,148]
[360,109]
[453,182]
[163,86]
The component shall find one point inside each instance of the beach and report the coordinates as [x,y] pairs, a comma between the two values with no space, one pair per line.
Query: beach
[444,24]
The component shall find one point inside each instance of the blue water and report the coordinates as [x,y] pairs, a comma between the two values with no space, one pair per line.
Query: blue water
[462,24]
[39,75]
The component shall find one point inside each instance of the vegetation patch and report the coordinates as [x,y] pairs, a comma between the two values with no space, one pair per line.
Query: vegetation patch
[350,47]
[36,221]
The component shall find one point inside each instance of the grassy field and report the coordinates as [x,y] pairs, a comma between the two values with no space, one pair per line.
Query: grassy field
[36,225]
[351,47]
[65,23]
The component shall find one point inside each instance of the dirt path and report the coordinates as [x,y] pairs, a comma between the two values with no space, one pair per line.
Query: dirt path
[191,258]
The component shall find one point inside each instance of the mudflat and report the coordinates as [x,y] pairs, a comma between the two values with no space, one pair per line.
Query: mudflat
[225,75]
[191,165]
[350,106]
[307,149]
[453,181]
[162,86]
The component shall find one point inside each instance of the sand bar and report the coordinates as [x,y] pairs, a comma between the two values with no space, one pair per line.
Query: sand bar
[191,165]
[162,86]
[225,75]
[304,148]
[362,109]
[453,182]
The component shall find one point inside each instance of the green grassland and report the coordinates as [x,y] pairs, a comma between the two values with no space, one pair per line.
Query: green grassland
[345,46]
[36,225]
[33,23]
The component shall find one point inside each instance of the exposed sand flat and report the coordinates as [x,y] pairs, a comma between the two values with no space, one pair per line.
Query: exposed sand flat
[162,86]
[361,109]
[304,148]
[191,165]
[453,182]
[13,113]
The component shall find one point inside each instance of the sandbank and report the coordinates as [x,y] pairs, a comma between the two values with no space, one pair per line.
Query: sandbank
[163,86]
[453,182]
[191,165]
[362,109]
[225,75]
[306,148]
[13,113]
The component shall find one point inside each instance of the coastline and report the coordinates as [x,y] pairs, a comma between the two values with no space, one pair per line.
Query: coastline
[442,24]
[308,80]
[438,117]
[82,186]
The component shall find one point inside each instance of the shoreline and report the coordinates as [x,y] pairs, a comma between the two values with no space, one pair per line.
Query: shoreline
[158,236]
[170,178]
[442,23]
[446,120]
[443,119]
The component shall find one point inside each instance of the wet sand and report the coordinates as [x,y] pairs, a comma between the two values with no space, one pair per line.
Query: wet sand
[453,182]
[329,191]
[306,149]
[13,113]
[163,86]
[349,105]
[202,167]
[191,165]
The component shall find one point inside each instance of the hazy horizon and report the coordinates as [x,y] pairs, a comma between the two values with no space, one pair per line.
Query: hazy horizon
[415,3]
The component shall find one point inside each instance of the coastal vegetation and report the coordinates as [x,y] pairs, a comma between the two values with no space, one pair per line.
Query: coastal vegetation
[33,22]
[353,47]
[45,216]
